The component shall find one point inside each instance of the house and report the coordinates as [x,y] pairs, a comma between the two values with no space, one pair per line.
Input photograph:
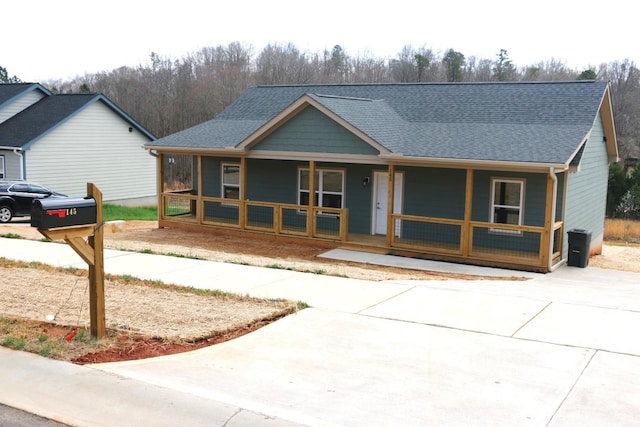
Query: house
[65,141]
[484,173]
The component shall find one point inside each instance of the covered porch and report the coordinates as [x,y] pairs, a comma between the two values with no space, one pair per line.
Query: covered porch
[464,239]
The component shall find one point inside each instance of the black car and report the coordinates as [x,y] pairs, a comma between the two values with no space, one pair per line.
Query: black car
[16,198]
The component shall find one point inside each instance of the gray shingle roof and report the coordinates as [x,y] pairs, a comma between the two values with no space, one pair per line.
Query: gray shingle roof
[541,122]
[10,90]
[45,115]
[41,117]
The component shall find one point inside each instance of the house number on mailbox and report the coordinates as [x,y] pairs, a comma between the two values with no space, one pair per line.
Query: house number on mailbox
[61,213]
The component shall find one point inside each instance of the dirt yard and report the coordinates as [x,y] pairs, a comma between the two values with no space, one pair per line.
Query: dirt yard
[146,319]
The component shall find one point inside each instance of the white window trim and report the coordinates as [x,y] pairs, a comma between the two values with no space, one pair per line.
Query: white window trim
[493,205]
[2,171]
[223,185]
[320,171]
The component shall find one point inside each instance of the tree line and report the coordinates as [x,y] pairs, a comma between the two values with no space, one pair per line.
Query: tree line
[167,95]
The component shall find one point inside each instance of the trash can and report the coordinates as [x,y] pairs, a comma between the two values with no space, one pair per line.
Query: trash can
[579,243]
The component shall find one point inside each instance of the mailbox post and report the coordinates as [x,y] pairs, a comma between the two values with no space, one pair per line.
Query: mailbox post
[73,220]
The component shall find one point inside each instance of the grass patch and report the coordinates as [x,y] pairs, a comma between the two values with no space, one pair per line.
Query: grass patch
[127,213]
[279,267]
[11,236]
[67,342]
[622,230]
[177,255]
[34,337]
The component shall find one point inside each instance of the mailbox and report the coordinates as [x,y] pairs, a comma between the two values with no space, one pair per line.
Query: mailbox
[56,212]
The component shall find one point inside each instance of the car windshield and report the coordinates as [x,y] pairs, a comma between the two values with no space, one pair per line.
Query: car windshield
[19,188]
[38,189]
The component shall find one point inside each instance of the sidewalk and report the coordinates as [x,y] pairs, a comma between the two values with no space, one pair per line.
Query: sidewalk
[556,349]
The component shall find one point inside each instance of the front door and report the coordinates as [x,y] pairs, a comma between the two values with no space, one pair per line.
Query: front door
[380,205]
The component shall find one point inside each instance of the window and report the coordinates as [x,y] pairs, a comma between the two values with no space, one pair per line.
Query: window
[231,181]
[1,167]
[329,188]
[507,202]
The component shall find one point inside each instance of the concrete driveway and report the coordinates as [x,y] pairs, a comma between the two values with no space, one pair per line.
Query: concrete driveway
[559,349]
[554,350]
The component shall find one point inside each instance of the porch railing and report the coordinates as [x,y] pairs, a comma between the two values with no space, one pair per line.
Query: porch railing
[483,240]
[507,243]
[268,217]
[421,233]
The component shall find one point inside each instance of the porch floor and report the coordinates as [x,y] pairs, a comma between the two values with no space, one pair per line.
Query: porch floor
[423,264]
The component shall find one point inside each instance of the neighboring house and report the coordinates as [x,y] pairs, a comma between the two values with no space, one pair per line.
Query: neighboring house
[65,141]
[483,173]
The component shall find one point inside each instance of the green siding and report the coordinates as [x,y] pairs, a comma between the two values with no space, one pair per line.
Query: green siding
[282,186]
[535,190]
[312,131]
[211,175]
[430,192]
[434,192]
[359,198]
[212,187]
[535,193]
[587,190]
[560,197]
[273,181]
[276,181]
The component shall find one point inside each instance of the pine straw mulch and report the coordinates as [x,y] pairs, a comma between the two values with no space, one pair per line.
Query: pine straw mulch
[143,318]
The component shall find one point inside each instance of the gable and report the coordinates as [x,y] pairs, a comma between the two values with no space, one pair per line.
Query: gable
[17,97]
[33,123]
[312,131]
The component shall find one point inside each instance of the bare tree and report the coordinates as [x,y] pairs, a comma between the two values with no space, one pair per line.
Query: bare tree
[167,95]
[404,68]
[625,92]
[369,70]
[278,64]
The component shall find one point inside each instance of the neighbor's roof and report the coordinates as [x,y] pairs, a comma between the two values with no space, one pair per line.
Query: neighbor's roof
[540,122]
[45,115]
[8,91]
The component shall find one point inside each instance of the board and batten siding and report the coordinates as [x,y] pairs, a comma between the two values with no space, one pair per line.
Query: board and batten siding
[95,145]
[20,103]
[587,191]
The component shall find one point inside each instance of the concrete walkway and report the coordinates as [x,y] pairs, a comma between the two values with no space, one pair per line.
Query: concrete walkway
[559,349]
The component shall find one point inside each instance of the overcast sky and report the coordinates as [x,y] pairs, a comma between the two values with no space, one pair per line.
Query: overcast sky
[49,39]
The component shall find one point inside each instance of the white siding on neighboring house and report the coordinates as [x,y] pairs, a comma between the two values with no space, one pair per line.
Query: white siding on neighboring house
[94,146]
[11,164]
[19,104]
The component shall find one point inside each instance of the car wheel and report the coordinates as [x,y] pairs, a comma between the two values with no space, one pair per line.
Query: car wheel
[5,214]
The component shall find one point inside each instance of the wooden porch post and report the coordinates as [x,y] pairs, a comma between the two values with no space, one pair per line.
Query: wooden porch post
[312,197]
[199,203]
[242,208]
[468,204]
[160,185]
[546,238]
[390,197]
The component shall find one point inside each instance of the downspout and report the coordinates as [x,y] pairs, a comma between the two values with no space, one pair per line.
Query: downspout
[159,188]
[554,202]
[18,153]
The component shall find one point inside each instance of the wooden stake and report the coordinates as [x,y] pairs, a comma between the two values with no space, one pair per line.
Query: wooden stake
[96,271]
